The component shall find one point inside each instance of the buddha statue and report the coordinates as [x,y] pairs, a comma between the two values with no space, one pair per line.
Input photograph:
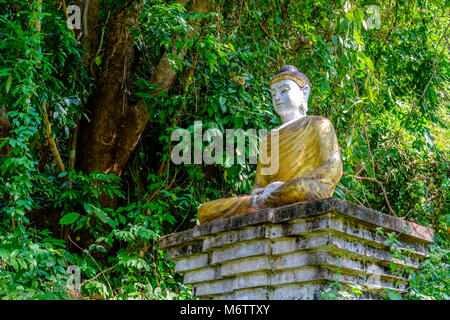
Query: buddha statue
[308,162]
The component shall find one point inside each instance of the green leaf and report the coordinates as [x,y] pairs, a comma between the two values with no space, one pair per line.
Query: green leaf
[4,254]
[393,296]
[63,174]
[357,37]
[8,83]
[369,64]
[104,217]
[22,263]
[98,60]
[14,264]
[69,218]
[222,102]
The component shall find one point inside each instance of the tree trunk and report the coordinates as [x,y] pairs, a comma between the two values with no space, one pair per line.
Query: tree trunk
[5,127]
[114,127]
[107,140]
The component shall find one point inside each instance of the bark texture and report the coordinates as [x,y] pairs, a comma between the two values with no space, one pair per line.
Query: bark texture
[5,127]
[107,139]
[90,32]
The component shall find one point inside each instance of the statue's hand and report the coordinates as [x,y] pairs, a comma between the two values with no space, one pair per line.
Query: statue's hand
[273,198]
[261,195]
[274,185]
[257,191]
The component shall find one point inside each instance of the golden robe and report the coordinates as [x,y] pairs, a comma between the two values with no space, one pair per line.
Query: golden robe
[308,167]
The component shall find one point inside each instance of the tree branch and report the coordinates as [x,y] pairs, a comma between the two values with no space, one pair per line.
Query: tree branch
[51,141]
[87,252]
[413,111]
[348,192]
[48,128]
[376,181]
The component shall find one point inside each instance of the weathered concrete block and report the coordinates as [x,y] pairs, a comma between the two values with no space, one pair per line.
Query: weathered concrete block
[242,250]
[297,275]
[223,239]
[294,252]
[245,265]
[185,250]
[201,275]
[249,280]
[192,262]
[213,287]
[299,243]
[260,293]
[299,259]
[293,291]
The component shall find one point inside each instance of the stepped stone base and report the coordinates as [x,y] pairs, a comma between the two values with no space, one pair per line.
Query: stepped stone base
[294,252]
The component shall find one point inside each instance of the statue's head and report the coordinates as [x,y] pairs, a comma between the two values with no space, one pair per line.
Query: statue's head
[290,91]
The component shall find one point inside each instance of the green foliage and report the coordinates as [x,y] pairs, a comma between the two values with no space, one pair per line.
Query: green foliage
[32,265]
[431,281]
[337,291]
[45,66]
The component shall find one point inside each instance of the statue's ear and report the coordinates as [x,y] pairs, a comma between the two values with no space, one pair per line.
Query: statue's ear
[307,89]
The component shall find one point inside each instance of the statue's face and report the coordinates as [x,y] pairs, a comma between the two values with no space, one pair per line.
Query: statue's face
[287,97]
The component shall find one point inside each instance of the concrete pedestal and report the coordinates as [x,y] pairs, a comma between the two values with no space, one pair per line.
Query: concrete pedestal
[293,252]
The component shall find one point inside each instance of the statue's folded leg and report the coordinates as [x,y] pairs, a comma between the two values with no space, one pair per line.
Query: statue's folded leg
[298,190]
[223,208]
